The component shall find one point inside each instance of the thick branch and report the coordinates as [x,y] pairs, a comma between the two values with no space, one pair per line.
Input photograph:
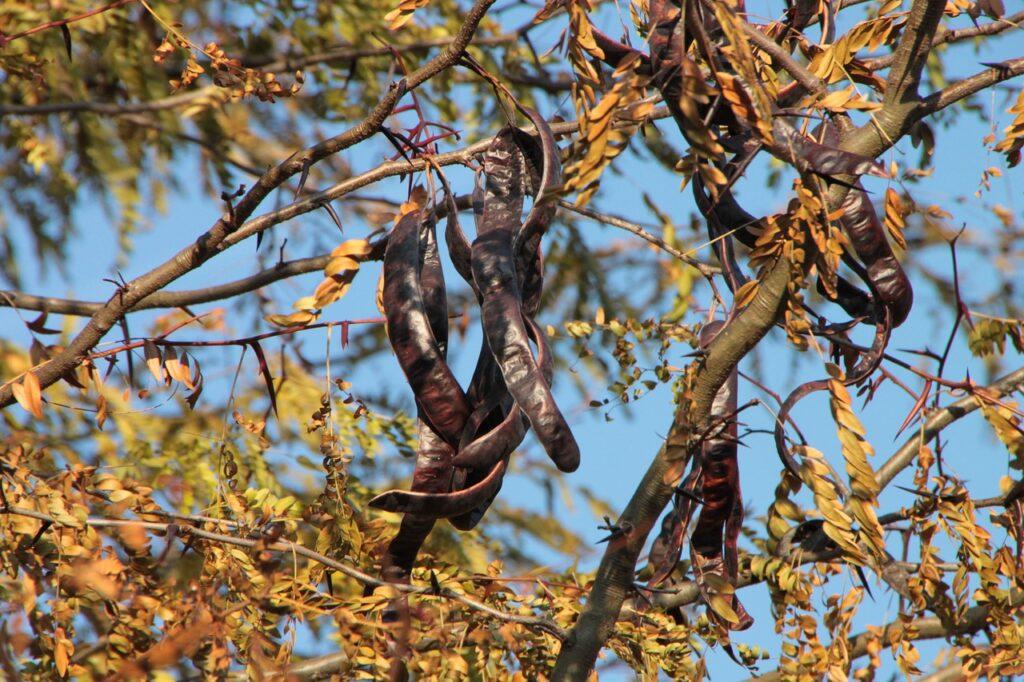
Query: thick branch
[956,36]
[217,238]
[615,575]
[938,421]
[912,52]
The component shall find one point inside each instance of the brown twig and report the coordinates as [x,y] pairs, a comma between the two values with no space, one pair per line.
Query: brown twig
[168,299]
[5,40]
[622,224]
[217,238]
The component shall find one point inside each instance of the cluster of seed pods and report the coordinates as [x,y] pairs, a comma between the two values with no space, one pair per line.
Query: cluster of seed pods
[713,482]
[467,436]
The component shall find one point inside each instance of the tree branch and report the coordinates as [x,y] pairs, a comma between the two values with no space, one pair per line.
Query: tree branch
[963,89]
[216,239]
[903,457]
[912,52]
[955,36]
[614,577]
[168,299]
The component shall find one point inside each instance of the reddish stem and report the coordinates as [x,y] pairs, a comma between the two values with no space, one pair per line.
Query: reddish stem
[5,40]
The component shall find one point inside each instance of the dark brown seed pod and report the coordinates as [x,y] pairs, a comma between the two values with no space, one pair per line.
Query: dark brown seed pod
[724,218]
[442,505]
[713,545]
[505,181]
[431,276]
[459,249]
[433,474]
[668,546]
[440,398]
[882,272]
[889,283]
[809,156]
[507,336]
[530,261]
[482,451]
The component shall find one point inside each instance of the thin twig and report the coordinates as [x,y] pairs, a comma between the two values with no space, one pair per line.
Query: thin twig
[289,547]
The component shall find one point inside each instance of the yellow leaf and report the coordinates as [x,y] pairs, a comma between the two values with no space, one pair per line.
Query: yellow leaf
[339,264]
[29,395]
[62,650]
[720,605]
[836,100]
[746,293]
[354,248]
[379,299]
[307,303]
[298,319]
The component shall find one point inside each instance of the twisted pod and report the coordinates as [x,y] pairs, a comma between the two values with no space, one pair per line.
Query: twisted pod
[465,438]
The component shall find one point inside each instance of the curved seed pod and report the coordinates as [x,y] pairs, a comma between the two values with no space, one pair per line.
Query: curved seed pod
[866,365]
[809,156]
[501,311]
[720,493]
[727,217]
[432,474]
[526,246]
[404,547]
[459,249]
[615,53]
[500,441]
[435,299]
[482,451]
[885,274]
[442,505]
[882,272]
[438,394]
[545,200]
[505,179]
[721,227]
[668,546]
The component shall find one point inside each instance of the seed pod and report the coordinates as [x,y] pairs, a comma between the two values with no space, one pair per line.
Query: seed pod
[502,314]
[546,182]
[668,546]
[442,505]
[432,474]
[482,451]
[431,276]
[438,394]
[722,503]
[459,249]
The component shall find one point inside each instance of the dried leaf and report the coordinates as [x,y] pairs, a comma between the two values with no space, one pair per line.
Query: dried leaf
[29,395]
